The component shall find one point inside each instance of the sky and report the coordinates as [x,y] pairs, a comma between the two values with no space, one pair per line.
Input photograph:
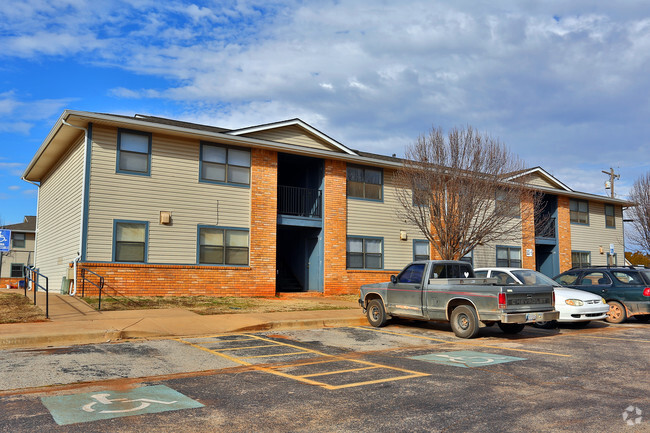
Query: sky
[565,85]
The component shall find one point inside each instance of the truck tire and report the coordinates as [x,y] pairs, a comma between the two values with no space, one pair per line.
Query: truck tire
[376,313]
[511,328]
[464,321]
[616,312]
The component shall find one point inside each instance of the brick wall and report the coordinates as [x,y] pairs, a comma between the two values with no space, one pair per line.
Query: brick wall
[564,232]
[258,279]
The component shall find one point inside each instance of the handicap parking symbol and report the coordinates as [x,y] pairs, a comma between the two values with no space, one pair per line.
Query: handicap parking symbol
[77,408]
[466,358]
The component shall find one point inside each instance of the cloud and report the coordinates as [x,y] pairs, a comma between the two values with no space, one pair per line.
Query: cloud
[19,115]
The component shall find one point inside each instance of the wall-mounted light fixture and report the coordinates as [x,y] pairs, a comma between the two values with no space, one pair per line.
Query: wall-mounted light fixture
[402,235]
[165,217]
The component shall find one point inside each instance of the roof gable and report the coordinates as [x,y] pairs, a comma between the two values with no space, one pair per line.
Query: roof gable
[539,177]
[294,132]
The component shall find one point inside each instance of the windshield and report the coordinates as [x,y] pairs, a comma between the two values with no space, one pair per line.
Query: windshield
[534,278]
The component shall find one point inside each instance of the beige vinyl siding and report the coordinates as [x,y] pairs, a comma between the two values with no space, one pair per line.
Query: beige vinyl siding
[595,235]
[379,219]
[173,185]
[60,204]
[538,180]
[292,135]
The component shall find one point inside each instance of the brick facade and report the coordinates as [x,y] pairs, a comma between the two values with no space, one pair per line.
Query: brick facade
[564,232]
[527,233]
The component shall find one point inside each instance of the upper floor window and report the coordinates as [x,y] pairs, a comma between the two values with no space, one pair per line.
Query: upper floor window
[218,246]
[133,152]
[580,259]
[225,164]
[610,216]
[365,253]
[18,240]
[420,250]
[365,182]
[579,211]
[507,204]
[130,241]
[508,257]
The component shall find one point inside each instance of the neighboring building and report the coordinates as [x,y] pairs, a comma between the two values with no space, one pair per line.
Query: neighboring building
[163,207]
[21,253]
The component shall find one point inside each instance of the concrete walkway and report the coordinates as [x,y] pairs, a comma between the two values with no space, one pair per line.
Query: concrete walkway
[72,321]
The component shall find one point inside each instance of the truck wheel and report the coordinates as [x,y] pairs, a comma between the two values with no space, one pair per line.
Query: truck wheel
[551,324]
[616,312]
[464,321]
[511,328]
[376,313]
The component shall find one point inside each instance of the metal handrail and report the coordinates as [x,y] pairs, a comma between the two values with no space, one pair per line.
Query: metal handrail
[100,286]
[30,272]
[297,201]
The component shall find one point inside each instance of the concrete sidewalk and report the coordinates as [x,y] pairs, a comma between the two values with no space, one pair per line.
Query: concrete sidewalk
[72,321]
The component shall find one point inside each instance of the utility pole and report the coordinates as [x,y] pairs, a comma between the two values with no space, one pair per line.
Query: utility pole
[612,177]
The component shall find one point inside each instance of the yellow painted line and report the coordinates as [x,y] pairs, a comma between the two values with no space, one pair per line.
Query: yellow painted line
[467,343]
[214,352]
[337,372]
[227,349]
[273,355]
[371,382]
[607,338]
[206,337]
[308,363]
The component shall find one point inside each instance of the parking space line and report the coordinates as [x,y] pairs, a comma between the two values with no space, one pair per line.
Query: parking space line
[607,338]
[243,348]
[468,343]
[276,369]
[337,372]
[273,355]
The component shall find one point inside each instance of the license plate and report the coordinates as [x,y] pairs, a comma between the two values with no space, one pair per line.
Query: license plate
[531,317]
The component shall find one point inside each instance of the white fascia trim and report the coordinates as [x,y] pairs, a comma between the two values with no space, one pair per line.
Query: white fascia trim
[293,122]
[543,173]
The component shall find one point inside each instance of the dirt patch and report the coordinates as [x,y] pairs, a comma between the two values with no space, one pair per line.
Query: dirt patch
[16,308]
[207,305]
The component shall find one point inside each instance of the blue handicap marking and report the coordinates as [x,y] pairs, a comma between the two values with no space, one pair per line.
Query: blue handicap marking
[467,358]
[95,406]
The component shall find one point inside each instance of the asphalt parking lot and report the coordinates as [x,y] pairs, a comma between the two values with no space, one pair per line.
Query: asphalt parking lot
[404,377]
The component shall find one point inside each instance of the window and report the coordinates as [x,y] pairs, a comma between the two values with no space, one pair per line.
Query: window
[580,259]
[612,260]
[220,246]
[365,182]
[225,164]
[579,211]
[567,279]
[610,216]
[629,277]
[17,270]
[18,240]
[412,274]
[507,204]
[420,250]
[451,270]
[133,152]
[365,253]
[130,241]
[503,278]
[469,258]
[509,257]
[595,279]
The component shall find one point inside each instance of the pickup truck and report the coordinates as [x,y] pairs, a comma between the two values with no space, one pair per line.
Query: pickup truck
[447,290]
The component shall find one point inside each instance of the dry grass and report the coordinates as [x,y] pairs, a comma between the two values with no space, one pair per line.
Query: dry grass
[206,305]
[16,308]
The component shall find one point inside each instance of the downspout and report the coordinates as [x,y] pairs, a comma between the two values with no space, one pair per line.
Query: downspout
[83,206]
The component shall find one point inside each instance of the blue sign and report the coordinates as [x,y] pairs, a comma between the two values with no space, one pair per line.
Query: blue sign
[466,358]
[95,406]
[5,238]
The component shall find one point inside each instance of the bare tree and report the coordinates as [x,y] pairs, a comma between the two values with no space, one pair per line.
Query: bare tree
[462,189]
[640,213]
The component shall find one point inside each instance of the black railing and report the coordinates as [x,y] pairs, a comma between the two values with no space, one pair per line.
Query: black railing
[296,201]
[545,229]
[32,275]
[99,284]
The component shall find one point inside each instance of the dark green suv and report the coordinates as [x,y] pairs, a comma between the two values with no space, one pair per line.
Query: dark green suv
[626,289]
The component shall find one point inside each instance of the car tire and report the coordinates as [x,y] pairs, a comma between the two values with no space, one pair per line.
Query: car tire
[551,324]
[376,313]
[616,313]
[511,328]
[643,318]
[464,321]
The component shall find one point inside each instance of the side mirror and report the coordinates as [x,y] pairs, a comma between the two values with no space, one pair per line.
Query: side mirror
[393,279]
